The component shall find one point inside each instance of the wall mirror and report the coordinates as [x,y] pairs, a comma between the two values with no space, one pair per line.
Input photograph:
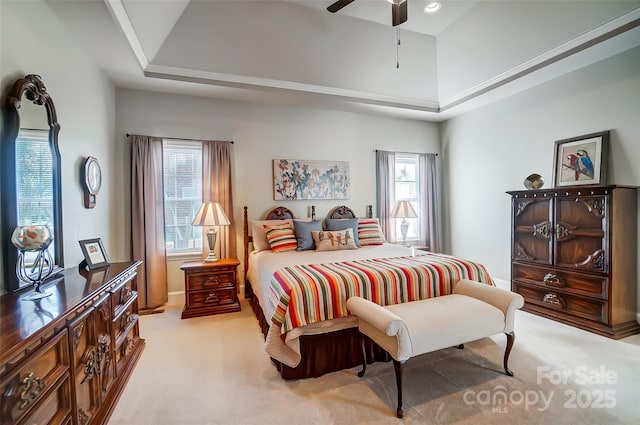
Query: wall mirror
[31,183]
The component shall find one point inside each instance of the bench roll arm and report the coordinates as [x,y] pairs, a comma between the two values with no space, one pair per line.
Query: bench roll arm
[508,302]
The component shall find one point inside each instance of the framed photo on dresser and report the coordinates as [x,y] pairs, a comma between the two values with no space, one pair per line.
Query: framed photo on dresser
[581,160]
[94,253]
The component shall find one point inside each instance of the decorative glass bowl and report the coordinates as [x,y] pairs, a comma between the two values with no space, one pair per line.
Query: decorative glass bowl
[533,181]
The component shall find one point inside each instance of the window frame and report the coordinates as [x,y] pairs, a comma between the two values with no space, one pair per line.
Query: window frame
[414,223]
[196,232]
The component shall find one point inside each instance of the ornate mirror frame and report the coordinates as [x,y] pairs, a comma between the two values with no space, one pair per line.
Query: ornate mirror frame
[32,88]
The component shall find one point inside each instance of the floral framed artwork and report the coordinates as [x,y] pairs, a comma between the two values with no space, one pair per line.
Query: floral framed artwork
[581,160]
[94,253]
[295,179]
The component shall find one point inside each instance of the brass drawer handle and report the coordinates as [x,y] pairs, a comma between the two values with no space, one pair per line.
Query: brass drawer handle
[551,279]
[212,298]
[30,389]
[554,301]
[212,281]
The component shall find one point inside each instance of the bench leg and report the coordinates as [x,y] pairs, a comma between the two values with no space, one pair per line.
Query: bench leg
[510,339]
[399,366]
[364,357]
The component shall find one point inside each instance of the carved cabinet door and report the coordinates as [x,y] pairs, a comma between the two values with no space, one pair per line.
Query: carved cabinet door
[580,229]
[533,230]
[91,359]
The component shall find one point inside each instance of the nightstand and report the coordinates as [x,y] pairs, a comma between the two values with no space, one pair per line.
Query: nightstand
[210,288]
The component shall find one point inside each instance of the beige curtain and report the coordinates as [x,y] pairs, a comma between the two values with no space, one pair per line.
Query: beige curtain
[385,191]
[216,187]
[147,221]
[429,203]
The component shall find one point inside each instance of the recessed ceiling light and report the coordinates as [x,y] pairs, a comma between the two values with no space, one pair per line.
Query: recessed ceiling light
[432,7]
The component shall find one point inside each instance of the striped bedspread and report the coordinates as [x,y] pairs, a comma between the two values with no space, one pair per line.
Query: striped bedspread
[310,293]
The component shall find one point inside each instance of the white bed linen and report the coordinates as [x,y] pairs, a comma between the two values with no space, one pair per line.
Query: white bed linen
[263,264]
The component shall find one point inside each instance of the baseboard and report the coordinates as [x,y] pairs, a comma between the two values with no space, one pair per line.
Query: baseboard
[503,284]
[176,298]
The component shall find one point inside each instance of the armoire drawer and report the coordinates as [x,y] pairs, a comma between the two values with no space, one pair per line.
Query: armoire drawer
[569,282]
[559,304]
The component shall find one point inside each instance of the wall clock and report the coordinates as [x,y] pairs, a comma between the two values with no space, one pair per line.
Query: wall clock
[92,179]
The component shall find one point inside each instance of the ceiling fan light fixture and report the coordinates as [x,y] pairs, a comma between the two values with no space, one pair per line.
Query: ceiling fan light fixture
[432,7]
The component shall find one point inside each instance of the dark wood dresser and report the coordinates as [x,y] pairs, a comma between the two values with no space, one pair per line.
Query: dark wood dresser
[573,256]
[210,288]
[66,358]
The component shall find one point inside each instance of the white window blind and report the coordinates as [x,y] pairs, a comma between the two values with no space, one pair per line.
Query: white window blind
[34,181]
[407,188]
[182,171]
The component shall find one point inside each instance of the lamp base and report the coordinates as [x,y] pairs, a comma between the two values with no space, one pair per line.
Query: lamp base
[404,227]
[211,258]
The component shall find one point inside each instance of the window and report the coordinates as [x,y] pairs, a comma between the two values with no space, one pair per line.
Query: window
[34,177]
[407,188]
[182,169]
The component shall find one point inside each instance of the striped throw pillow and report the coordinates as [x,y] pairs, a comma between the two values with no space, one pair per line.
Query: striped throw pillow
[369,232]
[281,237]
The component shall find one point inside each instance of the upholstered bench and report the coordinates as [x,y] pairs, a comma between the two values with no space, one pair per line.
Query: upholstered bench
[474,311]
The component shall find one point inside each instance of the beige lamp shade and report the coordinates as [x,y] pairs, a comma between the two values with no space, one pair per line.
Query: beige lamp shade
[211,214]
[403,209]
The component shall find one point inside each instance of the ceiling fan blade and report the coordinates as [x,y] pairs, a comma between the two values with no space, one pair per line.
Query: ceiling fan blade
[399,12]
[333,8]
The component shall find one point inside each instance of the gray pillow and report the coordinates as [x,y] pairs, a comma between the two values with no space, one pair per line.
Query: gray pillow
[303,234]
[344,223]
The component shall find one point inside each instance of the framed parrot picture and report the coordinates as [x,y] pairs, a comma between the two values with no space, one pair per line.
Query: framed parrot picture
[581,160]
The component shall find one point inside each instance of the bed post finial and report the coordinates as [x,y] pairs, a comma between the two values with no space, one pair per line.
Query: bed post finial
[313,213]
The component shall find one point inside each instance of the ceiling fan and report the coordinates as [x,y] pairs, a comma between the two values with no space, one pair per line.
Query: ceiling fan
[398,9]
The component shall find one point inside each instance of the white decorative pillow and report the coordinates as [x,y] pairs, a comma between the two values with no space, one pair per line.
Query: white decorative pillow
[333,240]
[281,237]
[260,242]
[369,232]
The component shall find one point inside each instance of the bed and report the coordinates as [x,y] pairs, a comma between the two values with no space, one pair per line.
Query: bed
[299,298]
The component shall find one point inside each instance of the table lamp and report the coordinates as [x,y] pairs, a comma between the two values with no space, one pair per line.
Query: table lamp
[403,210]
[211,214]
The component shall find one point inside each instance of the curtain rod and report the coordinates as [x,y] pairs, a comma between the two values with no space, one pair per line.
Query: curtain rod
[411,153]
[184,138]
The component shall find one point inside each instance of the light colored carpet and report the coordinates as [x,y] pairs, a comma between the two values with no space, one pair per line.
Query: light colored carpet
[213,370]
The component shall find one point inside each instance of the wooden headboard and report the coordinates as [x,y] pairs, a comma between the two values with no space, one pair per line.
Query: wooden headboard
[283,213]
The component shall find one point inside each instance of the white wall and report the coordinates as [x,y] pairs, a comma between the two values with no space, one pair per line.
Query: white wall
[262,133]
[34,41]
[492,150]
[506,34]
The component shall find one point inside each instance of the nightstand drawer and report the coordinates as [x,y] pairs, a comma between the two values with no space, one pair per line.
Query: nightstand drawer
[219,279]
[212,298]
[574,283]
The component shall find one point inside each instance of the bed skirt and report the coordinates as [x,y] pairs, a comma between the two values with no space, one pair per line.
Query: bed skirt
[323,353]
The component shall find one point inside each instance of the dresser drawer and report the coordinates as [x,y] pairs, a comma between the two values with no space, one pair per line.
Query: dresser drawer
[211,298]
[558,304]
[25,386]
[564,281]
[207,280]
[126,346]
[122,296]
[54,409]
[125,321]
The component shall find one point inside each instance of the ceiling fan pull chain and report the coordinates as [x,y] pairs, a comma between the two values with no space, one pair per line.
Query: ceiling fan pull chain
[398,48]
